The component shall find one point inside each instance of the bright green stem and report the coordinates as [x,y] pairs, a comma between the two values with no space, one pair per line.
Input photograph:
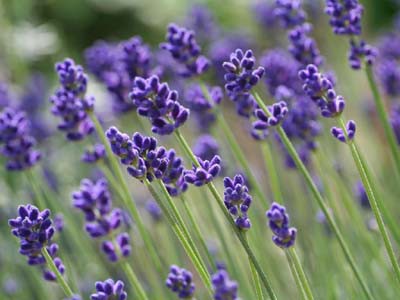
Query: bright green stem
[181,223]
[220,202]
[256,281]
[197,233]
[380,107]
[128,201]
[140,293]
[60,279]
[272,171]
[235,147]
[318,197]
[30,175]
[295,275]
[301,273]
[181,237]
[373,200]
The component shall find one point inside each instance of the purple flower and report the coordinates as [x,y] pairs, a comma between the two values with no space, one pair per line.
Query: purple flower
[342,136]
[345,16]
[284,236]
[93,155]
[361,195]
[173,174]
[155,101]
[202,107]
[154,210]
[70,102]
[241,76]
[16,145]
[224,287]
[389,75]
[304,48]
[180,281]
[5,97]
[321,90]
[35,232]
[108,290]
[395,120]
[361,51]
[277,112]
[182,45]
[206,147]
[205,173]
[290,12]
[200,19]
[264,12]
[237,200]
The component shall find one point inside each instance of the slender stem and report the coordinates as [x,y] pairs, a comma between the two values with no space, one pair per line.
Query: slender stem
[39,199]
[179,234]
[129,202]
[181,223]
[220,202]
[295,275]
[318,197]
[141,295]
[197,232]
[256,280]
[301,273]
[272,171]
[373,200]
[380,107]
[111,179]
[60,279]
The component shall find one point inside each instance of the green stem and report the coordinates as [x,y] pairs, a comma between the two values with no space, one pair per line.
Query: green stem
[272,171]
[318,197]
[197,232]
[128,201]
[380,107]
[301,273]
[111,179]
[141,295]
[239,234]
[371,191]
[256,281]
[295,275]
[39,199]
[181,237]
[60,279]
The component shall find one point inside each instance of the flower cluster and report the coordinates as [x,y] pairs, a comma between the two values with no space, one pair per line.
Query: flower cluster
[284,236]
[70,101]
[347,136]
[345,16]
[321,90]
[93,155]
[241,76]
[145,160]
[205,172]
[290,12]
[182,45]
[94,200]
[202,107]
[35,231]
[277,112]
[237,200]
[155,101]
[109,290]
[359,51]
[180,281]
[206,147]
[16,145]
[116,66]
[224,287]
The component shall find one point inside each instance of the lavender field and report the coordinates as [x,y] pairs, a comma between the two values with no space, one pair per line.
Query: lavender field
[172,149]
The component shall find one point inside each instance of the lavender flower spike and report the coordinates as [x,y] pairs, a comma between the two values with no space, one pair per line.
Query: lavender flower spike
[35,232]
[237,200]
[224,287]
[95,154]
[345,16]
[342,136]
[290,12]
[109,290]
[284,236]
[180,281]
[204,174]
[182,45]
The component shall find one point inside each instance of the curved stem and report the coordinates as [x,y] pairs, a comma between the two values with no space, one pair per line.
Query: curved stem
[128,201]
[373,200]
[380,107]
[60,279]
[141,295]
[318,197]
[301,273]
